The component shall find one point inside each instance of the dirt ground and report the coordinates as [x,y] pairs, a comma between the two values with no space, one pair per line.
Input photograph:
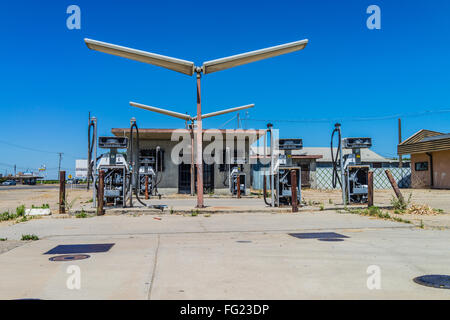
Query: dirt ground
[315,200]
[12,198]
[438,199]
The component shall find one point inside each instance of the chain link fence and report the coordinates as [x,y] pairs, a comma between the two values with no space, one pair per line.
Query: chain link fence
[380,181]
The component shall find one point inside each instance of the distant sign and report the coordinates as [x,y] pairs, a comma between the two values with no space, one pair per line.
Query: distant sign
[81,168]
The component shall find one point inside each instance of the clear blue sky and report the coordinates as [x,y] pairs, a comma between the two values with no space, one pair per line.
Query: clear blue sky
[50,80]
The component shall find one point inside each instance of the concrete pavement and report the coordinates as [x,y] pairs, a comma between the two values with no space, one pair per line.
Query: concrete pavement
[225,256]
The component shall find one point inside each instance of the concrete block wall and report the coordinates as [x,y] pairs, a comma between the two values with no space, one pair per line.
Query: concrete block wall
[170,173]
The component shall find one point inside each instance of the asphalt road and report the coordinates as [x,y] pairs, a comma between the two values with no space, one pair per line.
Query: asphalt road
[41,186]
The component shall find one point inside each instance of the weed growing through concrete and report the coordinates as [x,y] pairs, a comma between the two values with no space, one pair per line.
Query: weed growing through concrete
[81,215]
[3,239]
[20,212]
[44,206]
[171,210]
[23,219]
[400,205]
[330,201]
[69,204]
[207,215]
[375,212]
[194,213]
[28,237]
[5,216]
[322,207]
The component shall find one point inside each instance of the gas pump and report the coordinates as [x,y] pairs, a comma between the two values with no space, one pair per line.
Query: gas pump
[280,172]
[354,176]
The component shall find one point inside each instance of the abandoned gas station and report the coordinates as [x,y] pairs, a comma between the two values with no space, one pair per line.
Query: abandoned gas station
[177,175]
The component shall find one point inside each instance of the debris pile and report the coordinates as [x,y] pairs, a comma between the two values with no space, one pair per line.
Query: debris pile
[422,210]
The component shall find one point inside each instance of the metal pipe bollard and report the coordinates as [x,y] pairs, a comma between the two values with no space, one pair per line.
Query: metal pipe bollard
[238,182]
[100,193]
[370,189]
[62,192]
[294,191]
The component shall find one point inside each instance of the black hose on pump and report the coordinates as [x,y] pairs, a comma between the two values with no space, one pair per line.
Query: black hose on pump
[335,157]
[91,142]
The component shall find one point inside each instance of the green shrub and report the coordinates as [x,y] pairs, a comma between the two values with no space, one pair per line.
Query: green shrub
[81,215]
[399,204]
[44,206]
[5,216]
[27,237]
[20,210]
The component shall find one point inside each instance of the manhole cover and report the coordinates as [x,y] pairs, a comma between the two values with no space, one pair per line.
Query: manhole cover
[434,280]
[70,257]
[331,239]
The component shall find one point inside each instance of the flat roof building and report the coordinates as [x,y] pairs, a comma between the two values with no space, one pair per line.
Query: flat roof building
[175,145]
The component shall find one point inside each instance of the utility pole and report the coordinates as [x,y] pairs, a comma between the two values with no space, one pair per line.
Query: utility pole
[14,170]
[400,163]
[59,163]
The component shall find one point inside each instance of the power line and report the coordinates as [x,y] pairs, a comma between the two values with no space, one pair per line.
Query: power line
[389,117]
[34,150]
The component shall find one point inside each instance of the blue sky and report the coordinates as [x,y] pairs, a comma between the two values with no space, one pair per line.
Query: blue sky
[50,80]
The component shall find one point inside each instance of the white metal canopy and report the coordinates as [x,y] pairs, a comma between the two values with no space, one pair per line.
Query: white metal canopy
[243,58]
[218,113]
[163,111]
[185,116]
[188,67]
[183,66]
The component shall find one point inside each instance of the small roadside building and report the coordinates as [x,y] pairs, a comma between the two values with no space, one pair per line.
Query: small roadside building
[27,178]
[175,146]
[430,159]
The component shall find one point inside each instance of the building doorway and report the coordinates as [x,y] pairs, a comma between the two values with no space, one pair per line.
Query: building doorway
[184,178]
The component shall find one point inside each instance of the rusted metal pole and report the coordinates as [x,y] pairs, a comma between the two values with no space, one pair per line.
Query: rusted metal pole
[394,186]
[62,192]
[238,185]
[146,187]
[294,191]
[100,193]
[199,145]
[192,161]
[370,189]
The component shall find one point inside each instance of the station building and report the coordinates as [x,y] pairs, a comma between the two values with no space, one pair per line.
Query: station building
[430,159]
[176,171]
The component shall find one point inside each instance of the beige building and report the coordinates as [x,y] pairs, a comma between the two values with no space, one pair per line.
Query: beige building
[430,159]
